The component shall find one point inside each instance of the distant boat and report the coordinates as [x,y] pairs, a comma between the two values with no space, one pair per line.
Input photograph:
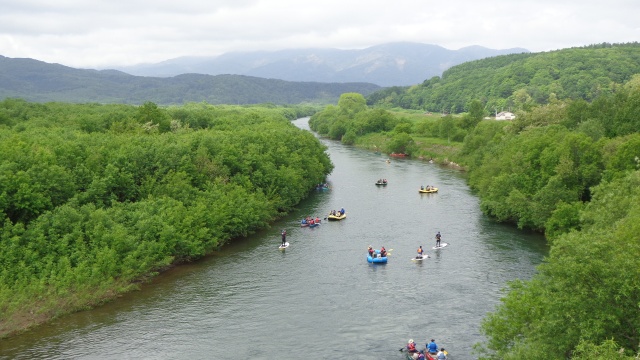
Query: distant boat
[336,217]
[428,191]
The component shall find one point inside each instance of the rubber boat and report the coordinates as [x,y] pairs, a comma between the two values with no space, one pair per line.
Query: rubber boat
[336,217]
[430,191]
[312,223]
[427,355]
[376,259]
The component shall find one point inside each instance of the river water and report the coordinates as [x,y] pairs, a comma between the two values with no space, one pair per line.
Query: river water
[319,299]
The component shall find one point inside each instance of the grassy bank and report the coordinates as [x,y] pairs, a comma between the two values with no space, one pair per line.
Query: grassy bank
[439,150]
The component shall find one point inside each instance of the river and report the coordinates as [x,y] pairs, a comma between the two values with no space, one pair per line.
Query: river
[319,299]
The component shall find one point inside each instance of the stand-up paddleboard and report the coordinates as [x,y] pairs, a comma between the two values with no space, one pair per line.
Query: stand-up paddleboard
[441,246]
[282,247]
[420,258]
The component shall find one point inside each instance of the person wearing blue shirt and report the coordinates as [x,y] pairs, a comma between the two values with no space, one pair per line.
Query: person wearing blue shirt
[432,347]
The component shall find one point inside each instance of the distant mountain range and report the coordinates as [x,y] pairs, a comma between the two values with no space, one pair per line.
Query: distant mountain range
[38,81]
[392,64]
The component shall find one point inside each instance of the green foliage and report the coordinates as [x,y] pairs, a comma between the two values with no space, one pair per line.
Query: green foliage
[529,173]
[87,210]
[351,103]
[520,81]
[401,143]
[586,293]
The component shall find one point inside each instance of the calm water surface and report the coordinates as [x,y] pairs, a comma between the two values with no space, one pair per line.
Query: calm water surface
[319,299]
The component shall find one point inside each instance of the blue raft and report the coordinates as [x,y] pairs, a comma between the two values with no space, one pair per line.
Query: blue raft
[376,259]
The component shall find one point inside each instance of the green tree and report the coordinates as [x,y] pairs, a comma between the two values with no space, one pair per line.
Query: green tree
[351,103]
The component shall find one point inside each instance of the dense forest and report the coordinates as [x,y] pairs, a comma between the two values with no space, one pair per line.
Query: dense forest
[96,198]
[569,169]
[520,81]
[38,81]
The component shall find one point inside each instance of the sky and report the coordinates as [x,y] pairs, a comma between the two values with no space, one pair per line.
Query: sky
[102,33]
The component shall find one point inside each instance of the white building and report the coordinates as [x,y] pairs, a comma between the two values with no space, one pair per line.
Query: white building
[505,115]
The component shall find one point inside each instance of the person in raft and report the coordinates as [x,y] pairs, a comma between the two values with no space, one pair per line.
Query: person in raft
[370,250]
[383,252]
[411,346]
[284,237]
[432,347]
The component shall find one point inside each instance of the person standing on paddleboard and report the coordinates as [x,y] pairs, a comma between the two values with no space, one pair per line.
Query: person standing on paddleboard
[420,252]
[438,239]
[284,237]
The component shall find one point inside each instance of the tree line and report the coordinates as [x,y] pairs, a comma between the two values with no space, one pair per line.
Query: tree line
[520,81]
[95,198]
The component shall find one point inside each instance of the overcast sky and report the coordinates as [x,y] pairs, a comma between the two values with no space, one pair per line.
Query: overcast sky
[102,33]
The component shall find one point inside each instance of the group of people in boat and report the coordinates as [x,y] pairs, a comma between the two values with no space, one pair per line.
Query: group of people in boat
[430,352]
[337,213]
[310,221]
[428,187]
[382,181]
[373,254]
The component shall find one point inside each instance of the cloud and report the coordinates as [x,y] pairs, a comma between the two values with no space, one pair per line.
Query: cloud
[102,33]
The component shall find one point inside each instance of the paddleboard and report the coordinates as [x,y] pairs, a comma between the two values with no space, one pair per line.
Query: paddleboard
[282,247]
[441,246]
[419,258]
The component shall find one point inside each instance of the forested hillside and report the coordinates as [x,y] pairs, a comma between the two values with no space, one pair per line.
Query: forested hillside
[95,198]
[38,81]
[570,169]
[520,81]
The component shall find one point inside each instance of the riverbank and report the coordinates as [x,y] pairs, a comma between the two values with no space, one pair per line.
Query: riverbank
[88,217]
[442,152]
